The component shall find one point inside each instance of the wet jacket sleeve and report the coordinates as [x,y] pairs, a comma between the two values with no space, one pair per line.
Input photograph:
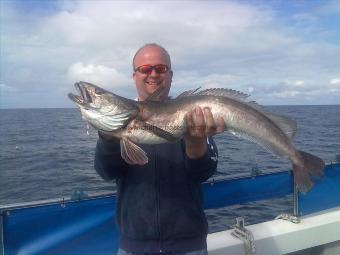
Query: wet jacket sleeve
[108,162]
[204,167]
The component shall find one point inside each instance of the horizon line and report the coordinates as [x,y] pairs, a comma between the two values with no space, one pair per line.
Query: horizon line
[32,108]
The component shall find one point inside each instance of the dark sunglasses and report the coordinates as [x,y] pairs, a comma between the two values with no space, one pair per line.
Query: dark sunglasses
[147,69]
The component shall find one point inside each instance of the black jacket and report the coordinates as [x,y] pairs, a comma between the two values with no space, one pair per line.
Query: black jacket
[159,205]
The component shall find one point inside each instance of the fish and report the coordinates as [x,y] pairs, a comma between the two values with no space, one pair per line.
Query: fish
[155,122]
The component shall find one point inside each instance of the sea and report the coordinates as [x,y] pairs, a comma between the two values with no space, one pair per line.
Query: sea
[49,153]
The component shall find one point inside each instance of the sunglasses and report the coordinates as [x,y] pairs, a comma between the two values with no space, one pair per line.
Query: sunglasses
[147,69]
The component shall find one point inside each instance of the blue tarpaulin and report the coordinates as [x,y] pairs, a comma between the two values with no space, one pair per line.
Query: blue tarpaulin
[325,193]
[87,226]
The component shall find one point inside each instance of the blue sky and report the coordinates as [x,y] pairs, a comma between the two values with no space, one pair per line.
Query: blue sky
[280,52]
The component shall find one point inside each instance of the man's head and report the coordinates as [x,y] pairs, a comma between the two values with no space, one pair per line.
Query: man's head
[152,69]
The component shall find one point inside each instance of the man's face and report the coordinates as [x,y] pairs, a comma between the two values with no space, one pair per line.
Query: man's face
[146,84]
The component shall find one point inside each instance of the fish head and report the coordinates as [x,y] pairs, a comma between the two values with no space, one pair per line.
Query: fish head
[92,96]
[102,109]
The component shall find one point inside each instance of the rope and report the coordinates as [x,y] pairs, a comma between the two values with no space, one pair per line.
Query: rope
[288,217]
[245,236]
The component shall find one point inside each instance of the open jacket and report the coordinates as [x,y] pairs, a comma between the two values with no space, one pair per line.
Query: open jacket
[159,205]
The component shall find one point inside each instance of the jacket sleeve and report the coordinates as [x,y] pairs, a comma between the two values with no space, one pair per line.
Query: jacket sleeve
[108,162]
[204,167]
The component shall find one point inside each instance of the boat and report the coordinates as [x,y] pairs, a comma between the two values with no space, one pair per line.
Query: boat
[85,224]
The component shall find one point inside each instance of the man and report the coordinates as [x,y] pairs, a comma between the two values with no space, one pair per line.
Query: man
[159,205]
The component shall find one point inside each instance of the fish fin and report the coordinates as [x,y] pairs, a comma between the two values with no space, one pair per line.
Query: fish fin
[188,93]
[156,130]
[222,92]
[132,153]
[155,96]
[311,166]
[286,124]
[257,141]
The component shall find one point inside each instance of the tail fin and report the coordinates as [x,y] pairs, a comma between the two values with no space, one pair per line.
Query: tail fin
[310,166]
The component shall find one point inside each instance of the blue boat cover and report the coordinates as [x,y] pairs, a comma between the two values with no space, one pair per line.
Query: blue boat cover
[87,226]
[325,193]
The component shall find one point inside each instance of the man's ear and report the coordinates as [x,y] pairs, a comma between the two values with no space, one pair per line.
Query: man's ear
[171,74]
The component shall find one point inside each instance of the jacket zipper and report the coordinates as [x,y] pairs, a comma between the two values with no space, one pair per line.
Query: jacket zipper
[158,190]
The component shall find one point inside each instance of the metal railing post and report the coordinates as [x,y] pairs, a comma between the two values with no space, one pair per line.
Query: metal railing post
[2,247]
[296,201]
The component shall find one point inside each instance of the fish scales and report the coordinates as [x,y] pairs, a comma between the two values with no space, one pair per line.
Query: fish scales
[239,117]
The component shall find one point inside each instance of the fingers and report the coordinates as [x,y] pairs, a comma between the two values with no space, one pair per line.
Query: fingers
[210,125]
[220,127]
[202,124]
[189,122]
[213,127]
[196,122]
[198,118]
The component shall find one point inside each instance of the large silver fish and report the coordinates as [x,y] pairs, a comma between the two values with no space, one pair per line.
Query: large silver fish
[154,122]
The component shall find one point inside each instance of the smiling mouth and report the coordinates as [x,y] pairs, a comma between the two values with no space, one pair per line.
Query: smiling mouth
[153,83]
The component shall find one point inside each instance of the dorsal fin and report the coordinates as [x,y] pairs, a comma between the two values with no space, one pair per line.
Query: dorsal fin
[286,124]
[188,93]
[222,92]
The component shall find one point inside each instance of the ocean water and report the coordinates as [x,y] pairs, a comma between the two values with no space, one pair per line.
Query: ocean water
[47,153]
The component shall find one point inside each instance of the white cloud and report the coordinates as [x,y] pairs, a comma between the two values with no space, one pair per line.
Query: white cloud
[334,81]
[6,88]
[207,81]
[286,94]
[250,89]
[300,83]
[97,74]
[234,44]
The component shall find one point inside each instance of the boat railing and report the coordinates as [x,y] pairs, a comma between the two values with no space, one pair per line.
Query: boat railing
[56,225]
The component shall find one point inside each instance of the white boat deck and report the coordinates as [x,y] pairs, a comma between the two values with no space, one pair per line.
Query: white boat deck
[315,234]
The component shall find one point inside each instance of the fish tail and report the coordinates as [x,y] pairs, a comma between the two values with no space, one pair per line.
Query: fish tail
[308,165]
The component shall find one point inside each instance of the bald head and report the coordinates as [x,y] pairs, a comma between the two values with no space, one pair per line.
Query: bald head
[146,47]
[148,82]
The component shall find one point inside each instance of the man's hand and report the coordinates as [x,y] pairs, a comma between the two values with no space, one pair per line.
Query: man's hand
[201,124]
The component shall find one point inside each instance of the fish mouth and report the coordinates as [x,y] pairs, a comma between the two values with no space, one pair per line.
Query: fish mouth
[84,98]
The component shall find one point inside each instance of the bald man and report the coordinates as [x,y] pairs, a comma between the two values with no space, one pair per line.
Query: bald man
[160,204]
